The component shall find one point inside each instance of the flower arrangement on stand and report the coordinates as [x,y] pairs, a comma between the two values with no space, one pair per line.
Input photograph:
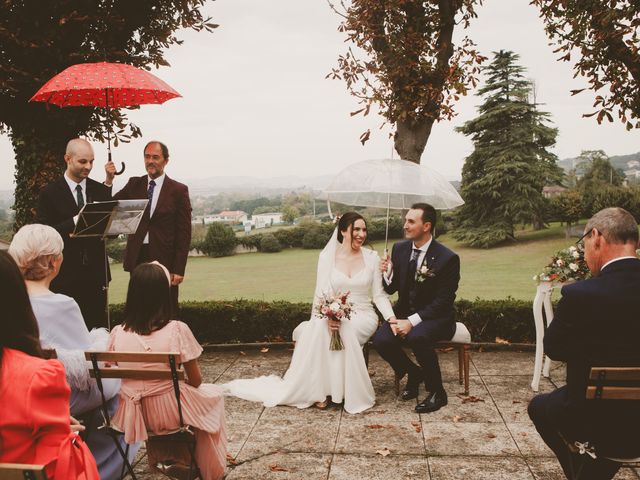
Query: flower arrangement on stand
[565,266]
[338,308]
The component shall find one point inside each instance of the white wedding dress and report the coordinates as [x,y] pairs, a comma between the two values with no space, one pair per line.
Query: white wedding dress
[316,372]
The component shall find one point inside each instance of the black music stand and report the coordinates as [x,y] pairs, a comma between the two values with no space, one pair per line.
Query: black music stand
[105,219]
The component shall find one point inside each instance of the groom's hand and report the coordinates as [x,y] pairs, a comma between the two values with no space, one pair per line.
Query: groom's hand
[403,327]
[385,265]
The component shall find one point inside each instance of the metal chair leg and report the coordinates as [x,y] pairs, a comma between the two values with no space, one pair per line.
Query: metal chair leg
[124,456]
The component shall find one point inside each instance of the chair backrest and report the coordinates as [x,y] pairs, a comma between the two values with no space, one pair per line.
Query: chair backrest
[163,359]
[18,471]
[614,383]
[172,360]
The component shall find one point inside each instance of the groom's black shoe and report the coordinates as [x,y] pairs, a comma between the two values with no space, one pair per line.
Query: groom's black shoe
[434,401]
[411,389]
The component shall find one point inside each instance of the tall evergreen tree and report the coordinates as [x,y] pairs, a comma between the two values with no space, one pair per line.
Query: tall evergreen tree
[502,179]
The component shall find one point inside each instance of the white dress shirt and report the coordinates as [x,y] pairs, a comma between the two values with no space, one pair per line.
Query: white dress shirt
[72,186]
[154,200]
[415,318]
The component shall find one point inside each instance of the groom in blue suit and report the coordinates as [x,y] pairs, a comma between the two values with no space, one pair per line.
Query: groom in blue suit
[425,274]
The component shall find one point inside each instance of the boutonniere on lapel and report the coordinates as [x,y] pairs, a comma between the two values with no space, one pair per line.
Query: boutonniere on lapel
[424,271]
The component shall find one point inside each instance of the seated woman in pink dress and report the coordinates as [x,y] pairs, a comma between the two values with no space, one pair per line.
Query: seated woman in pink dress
[152,405]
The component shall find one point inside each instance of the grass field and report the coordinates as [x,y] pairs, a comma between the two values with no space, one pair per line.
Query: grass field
[290,275]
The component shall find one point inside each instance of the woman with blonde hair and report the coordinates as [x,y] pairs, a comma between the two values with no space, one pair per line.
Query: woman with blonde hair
[37,249]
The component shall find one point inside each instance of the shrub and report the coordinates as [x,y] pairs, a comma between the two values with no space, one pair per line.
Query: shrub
[233,321]
[315,237]
[220,241]
[269,244]
[251,241]
[116,249]
[376,227]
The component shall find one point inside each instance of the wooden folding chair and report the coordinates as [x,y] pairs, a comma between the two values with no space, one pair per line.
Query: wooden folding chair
[605,383]
[169,368]
[18,471]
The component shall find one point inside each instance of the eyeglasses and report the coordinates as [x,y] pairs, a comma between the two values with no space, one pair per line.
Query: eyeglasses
[580,241]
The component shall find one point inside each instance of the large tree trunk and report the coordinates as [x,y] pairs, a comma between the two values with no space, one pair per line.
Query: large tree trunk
[411,137]
[39,161]
[39,136]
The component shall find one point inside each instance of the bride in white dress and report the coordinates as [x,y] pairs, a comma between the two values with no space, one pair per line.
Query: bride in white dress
[316,372]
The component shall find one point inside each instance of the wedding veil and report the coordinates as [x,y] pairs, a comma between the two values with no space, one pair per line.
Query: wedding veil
[326,261]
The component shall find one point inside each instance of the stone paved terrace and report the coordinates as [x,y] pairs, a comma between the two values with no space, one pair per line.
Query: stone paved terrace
[492,438]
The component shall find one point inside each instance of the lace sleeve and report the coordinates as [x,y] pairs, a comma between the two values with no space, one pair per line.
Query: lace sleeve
[380,297]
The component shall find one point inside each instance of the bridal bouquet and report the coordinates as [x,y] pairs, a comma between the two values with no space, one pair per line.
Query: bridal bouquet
[335,307]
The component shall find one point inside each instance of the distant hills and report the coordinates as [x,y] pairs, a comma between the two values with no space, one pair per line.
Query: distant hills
[257,185]
[618,161]
[260,186]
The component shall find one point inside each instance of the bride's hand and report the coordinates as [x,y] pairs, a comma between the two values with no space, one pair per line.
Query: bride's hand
[392,324]
[333,325]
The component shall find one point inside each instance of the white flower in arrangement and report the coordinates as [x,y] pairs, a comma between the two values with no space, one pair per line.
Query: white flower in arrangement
[335,306]
[424,269]
[576,254]
[572,249]
[559,262]
[574,267]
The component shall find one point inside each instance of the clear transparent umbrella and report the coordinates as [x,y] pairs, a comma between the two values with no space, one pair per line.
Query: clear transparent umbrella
[391,184]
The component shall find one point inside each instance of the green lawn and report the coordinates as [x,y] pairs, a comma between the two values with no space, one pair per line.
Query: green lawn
[290,275]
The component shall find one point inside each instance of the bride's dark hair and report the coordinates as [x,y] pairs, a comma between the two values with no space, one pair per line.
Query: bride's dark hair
[348,220]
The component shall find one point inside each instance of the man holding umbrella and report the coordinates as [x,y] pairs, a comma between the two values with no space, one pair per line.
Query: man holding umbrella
[425,274]
[84,272]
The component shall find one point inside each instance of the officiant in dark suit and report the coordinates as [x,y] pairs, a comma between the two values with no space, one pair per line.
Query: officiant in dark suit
[425,274]
[84,272]
[597,323]
[164,233]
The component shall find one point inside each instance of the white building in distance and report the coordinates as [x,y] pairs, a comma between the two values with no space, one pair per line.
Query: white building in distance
[262,220]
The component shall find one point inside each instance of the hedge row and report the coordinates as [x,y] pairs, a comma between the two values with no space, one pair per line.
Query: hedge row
[244,321]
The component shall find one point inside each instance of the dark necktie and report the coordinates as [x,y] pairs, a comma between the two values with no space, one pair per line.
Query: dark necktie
[79,197]
[413,264]
[152,185]
[411,279]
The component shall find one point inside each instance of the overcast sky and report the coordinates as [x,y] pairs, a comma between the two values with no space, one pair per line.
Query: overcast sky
[256,102]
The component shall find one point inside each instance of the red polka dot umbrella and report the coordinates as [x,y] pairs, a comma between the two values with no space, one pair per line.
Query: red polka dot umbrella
[107,85]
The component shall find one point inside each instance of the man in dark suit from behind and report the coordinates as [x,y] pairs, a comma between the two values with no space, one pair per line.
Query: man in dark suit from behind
[597,323]
[84,272]
[164,233]
[425,274]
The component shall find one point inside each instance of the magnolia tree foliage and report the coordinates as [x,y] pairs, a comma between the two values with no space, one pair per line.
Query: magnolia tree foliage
[40,39]
[403,60]
[605,35]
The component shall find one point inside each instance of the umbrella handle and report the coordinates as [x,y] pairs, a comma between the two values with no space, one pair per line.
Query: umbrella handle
[122,168]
